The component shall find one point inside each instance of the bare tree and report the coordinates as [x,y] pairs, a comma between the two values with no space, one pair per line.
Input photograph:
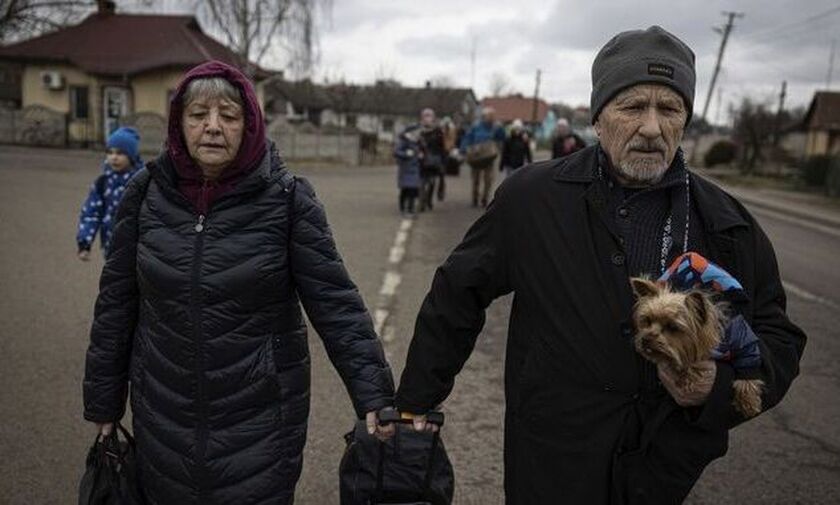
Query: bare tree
[753,132]
[254,28]
[22,19]
[499,84]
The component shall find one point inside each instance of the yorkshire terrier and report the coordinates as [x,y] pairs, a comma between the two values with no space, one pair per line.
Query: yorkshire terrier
[681,329]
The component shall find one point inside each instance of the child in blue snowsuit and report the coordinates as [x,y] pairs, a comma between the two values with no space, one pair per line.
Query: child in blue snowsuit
[409,153]
[100,208]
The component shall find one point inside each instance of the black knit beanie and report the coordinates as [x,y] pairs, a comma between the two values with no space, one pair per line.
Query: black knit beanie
[642,56]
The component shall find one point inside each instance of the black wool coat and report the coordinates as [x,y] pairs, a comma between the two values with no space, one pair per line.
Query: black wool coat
[201,316]
[585,423]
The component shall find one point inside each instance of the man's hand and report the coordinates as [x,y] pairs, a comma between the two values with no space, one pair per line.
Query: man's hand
[84,255]
[104,429]
[689,395]
[420,424]
[381,432]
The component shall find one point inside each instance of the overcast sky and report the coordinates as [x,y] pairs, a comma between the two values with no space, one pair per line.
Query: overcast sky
[413,41]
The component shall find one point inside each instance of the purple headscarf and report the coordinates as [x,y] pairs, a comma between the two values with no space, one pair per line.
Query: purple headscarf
[251,151]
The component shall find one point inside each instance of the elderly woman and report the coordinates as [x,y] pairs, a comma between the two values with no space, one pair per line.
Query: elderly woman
[215,247]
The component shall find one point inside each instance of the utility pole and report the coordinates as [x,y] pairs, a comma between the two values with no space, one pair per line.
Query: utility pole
[719,103]
[777,126]
[830,64]
[725,31]
[536,98]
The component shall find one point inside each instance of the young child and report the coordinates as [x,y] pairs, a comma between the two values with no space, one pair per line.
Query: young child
[409,154]
[100,208]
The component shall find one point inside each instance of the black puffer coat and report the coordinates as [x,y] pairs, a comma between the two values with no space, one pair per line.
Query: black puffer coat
[201,315]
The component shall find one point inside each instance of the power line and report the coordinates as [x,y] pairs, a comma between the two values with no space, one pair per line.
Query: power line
[830,64]
[775,29]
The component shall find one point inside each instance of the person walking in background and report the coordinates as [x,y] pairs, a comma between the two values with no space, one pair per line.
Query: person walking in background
[565,141]
[122,161]
[452,161]
[516,151]
[409,155]
[481,145]
[431,167]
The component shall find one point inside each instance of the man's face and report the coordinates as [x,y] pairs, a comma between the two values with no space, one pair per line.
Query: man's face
[213,131]
[488,116]
[427,117]
[640,130]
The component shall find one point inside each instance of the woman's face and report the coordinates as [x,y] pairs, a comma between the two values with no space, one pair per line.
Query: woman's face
[213,132]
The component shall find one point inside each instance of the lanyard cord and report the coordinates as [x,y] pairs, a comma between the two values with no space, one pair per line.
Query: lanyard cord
[667,236]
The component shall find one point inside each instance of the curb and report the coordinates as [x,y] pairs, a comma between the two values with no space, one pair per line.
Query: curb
[792,210]
[799,213]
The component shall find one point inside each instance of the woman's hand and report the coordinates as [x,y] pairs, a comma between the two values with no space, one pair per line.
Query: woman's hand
[381,432]
[84,255]
[104,429]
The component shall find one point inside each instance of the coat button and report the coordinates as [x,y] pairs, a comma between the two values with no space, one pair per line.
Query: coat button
[623,212]
[618,259]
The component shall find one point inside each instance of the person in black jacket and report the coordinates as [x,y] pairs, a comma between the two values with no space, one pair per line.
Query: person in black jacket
[588,420]
[434,156]
[565,141]
[516,151]
[216,245]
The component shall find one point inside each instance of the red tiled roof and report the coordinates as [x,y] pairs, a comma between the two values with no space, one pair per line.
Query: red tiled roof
[513,107]
[824,111]
[126,44]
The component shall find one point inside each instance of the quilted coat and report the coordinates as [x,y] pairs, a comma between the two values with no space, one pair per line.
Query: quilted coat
[200,315]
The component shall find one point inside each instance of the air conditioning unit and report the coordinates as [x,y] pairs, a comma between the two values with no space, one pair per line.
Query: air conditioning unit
[52,80]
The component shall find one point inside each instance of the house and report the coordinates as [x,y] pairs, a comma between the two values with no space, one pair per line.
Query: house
[297,101]
[822,123]
[109,66]
[517,106]
[384,108]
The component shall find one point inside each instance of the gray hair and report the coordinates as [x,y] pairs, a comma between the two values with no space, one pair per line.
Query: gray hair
[211,88]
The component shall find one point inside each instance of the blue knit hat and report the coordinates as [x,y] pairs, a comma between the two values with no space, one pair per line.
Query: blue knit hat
[127,140]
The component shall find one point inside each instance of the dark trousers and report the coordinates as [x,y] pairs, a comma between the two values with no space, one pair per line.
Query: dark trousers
[407,198]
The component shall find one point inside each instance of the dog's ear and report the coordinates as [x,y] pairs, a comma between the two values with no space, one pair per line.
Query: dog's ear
[699,305]
[644,287]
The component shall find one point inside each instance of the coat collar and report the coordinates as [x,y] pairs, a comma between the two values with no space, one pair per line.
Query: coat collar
[719,210]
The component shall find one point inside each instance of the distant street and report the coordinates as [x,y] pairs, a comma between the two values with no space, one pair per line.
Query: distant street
[789,455]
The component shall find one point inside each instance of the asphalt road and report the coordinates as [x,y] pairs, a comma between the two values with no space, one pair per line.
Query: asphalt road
[789,455]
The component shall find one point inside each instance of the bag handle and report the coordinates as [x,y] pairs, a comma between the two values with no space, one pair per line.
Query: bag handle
[389,415]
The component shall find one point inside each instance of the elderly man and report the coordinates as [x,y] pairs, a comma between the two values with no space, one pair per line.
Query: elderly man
[588,421]
[482,144]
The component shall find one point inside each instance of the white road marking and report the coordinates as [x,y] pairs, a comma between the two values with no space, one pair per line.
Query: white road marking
[808,296]
[391,282]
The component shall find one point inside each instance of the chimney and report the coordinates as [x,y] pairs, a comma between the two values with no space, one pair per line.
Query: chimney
[428,84]
[106,6]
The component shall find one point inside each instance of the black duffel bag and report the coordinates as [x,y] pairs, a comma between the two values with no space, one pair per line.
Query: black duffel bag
[111,474]
[410,468]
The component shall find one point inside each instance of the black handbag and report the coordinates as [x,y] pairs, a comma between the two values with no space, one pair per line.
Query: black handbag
[111,474]
[410,468]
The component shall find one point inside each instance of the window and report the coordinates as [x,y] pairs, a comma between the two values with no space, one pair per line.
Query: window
[79,102]
[388,124]
[351,120]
